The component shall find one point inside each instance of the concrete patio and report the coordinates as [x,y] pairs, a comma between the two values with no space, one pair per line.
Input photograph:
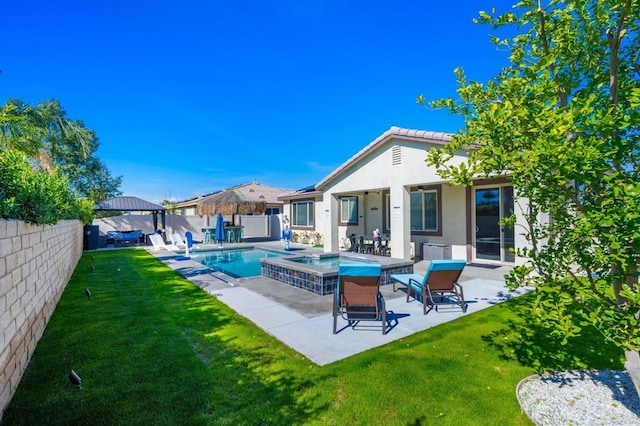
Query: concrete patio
[303,320]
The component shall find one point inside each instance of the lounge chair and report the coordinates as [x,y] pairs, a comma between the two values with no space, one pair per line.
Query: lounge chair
[177,241]
[158,243]
[357,297]
[438,286]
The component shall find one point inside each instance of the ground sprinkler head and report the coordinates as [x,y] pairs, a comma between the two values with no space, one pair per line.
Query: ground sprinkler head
[75,380]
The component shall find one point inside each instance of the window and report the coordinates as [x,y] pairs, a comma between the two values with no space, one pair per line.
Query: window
[272,210]
[424,210]
[303,214]
[348,210]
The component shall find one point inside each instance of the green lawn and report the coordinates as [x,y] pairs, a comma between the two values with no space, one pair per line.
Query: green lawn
[152,348]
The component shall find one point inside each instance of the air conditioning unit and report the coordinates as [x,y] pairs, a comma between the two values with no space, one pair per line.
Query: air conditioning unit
[431,251]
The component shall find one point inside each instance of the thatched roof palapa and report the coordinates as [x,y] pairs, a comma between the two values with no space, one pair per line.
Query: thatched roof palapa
[230,202]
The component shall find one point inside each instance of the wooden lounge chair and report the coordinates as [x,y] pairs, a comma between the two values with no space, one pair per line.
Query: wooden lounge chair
[438,286]
[357,297]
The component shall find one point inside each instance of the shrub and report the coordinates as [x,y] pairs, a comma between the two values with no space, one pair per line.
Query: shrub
[28,193]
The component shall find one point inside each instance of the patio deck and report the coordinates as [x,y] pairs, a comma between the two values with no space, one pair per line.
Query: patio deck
[303,320]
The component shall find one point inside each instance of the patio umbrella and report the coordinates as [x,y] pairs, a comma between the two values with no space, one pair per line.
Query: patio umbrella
[219,235]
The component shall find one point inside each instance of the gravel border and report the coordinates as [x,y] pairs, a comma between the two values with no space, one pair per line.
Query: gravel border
[605,397]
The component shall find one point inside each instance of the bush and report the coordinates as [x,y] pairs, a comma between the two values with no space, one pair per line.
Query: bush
[28,193]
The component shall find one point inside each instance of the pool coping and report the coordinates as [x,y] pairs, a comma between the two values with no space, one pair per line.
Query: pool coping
[315,279]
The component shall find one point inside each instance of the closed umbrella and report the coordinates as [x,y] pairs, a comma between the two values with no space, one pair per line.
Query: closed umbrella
[219,235]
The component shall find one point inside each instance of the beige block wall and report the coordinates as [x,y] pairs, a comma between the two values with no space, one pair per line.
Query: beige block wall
[36,263]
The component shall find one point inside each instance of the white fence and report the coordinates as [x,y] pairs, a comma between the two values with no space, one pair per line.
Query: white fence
[257,227]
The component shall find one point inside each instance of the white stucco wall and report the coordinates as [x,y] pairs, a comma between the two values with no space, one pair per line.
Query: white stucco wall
[383,168]
[394,164]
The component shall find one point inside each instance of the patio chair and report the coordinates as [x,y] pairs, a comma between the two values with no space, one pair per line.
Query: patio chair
[364,247]
[382,248]
[353,244]
[357,297]
[158,243]
[207,235]
[177,241]
[438,286]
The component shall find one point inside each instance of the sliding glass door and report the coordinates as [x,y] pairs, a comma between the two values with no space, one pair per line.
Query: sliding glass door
[492,240]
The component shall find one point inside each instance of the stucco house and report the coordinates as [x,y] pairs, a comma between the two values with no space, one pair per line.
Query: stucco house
[388,186]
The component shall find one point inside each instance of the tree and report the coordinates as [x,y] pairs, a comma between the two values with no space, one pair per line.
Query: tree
[47,136]
[562,122]
[30,129]
[170,206]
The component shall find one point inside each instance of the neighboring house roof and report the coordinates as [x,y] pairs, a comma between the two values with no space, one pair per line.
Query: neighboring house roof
[191,202]
[242,199]
[128,204]
[394,132]
[252,191]
[257,192]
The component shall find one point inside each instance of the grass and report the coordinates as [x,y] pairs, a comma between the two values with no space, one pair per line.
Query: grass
[152,348]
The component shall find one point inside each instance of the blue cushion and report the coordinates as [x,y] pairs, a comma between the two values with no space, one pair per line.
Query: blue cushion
[404,278]
[374,270]
[435,265]
[447,265]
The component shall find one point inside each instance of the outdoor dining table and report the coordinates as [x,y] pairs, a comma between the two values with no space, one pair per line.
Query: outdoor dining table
[372,245]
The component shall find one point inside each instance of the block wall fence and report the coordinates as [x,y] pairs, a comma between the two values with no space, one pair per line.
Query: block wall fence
[36,263]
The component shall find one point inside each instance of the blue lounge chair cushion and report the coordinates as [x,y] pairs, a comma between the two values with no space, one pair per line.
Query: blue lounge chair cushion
[346,270]
[435,265]
[409,279]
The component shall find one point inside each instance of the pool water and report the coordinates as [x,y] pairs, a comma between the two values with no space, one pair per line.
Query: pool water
[237,263]
[330,261]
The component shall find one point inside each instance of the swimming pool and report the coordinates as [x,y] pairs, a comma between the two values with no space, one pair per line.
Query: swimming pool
[237,263]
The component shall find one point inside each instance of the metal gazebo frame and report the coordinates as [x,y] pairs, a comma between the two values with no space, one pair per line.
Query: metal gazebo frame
[134,204]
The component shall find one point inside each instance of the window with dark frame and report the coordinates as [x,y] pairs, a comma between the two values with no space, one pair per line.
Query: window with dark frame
[349,210]
[425,207]
[302,215]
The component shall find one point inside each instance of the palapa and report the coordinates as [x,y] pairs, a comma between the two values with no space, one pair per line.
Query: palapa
[231,202]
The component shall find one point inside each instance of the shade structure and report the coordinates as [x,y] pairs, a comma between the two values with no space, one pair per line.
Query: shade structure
[129,204]
[219,234]
[231,202]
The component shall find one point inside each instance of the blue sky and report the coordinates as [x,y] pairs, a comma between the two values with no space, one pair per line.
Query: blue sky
[191,97]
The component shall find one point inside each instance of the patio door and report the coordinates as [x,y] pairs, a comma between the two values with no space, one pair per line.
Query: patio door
[492,240]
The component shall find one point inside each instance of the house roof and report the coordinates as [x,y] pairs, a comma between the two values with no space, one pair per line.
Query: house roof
[243,199]
[252,191]
[423,136]
[128,204]
[258,192]
[301,194]
[191,202]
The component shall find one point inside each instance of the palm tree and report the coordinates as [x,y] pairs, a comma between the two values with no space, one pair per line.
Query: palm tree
[37,131]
